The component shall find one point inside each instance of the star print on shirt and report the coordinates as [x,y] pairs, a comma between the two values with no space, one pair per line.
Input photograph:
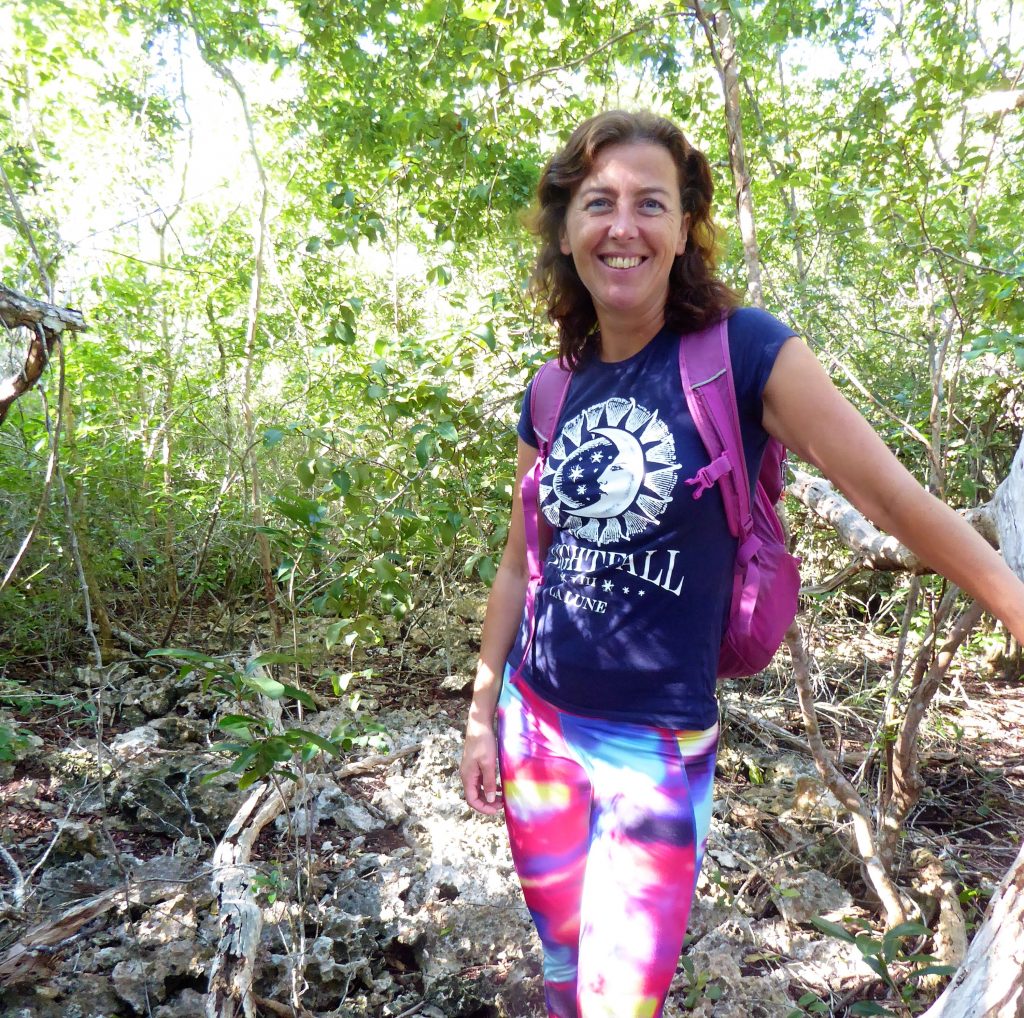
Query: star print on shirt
[597,457]
[625,590]
[641,592]
[576,473]
[608,586]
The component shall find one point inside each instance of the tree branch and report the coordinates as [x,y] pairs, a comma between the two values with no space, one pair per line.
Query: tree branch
[46,323]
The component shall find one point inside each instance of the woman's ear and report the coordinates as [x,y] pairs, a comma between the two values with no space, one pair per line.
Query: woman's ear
[684,232]
[563,242]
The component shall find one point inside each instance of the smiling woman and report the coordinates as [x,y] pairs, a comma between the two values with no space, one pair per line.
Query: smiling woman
[603,679]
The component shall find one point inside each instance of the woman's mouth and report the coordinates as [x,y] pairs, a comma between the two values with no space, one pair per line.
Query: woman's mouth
[622,261]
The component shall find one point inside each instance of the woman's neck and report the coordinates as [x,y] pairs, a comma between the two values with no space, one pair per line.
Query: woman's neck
[619,340]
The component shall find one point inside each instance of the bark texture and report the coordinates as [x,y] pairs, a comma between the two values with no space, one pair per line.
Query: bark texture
[1008,510]
[990,983]
[876,550]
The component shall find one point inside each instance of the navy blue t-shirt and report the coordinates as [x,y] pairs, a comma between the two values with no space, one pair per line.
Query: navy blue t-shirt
[637,581]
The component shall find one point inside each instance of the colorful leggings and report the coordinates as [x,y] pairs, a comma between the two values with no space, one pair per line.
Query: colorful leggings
[608,824]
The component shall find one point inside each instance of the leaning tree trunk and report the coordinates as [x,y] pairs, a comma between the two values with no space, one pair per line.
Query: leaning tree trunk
[990,983]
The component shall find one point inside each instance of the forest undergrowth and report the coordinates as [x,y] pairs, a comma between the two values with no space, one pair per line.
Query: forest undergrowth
[373,893]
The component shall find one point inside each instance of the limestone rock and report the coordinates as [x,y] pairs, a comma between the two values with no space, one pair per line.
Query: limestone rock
[802,896]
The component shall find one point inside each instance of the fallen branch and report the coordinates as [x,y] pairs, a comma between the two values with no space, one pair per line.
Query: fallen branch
[780,733]
[949,944]
[240,918]
[990,983]
[46,323]
[21,961]
[18,880]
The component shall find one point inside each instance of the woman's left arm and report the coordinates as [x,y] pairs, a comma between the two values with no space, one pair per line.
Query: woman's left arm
[805,411]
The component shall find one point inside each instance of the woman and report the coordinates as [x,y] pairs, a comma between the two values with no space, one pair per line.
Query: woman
[607,717]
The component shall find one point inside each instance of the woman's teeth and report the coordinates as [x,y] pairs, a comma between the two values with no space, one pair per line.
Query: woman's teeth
[618,262]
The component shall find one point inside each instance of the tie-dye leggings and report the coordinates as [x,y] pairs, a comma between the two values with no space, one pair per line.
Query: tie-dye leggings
[608,824]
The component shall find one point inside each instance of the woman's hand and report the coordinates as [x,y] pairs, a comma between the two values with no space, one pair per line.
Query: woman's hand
[479,769]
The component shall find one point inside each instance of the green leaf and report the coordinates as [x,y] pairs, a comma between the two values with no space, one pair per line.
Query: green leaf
[340,332]
[870,1007]
[303,511]
[394,589]
[324,745]
[276,748]
[241,725]
[341,480]
[272,437]
[266,685]
[301,695]
[833,929]
[934,970]
[486,333]
[482,10]
[446,430]
[876,966]
[276,657]
[334,633]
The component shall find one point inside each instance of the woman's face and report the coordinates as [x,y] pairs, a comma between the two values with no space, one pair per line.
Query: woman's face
[623,229]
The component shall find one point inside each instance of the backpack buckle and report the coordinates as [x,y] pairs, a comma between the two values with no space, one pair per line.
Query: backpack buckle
[707,477]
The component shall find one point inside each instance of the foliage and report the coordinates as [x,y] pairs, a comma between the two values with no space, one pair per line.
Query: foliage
[886,954]
[344,391]
[699,985]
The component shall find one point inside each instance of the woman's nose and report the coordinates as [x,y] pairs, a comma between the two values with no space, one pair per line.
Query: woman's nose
[624,223]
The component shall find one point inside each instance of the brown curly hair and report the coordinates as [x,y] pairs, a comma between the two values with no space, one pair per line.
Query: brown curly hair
[695,295]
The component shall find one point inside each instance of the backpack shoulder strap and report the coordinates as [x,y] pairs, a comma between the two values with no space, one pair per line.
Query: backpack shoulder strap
[547,396]
[705,369]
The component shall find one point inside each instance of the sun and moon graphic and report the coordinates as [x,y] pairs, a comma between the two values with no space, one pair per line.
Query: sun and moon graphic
[610,473]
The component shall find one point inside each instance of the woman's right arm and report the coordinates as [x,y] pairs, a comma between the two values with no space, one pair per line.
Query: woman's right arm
[479,767]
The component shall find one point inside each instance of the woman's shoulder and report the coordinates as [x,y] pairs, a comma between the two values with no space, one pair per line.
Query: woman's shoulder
[752,324]
[755,338]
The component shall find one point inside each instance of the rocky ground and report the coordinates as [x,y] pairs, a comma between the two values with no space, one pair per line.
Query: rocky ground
[381,894]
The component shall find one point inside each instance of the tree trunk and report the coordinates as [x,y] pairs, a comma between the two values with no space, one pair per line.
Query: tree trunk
[251,331]
[990,983]
[1008,509]
[722,43]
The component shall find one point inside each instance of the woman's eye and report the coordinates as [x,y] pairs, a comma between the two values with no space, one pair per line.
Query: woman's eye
[596,204]
[651,205]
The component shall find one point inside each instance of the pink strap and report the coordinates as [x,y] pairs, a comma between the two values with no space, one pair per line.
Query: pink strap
[547,397]
[705,368]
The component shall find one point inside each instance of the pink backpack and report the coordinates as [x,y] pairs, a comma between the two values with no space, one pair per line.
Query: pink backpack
[766,579]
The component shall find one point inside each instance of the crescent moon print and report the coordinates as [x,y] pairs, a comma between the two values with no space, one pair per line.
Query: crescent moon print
[610,473]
